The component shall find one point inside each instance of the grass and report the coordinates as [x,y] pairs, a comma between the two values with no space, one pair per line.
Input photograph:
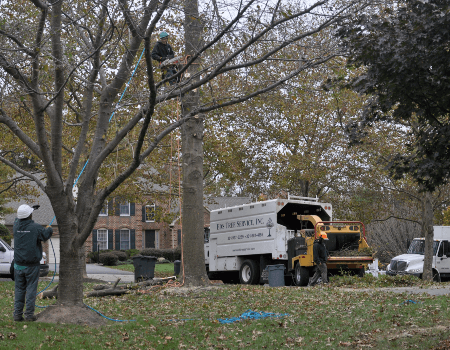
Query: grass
[330,317]
[161,270]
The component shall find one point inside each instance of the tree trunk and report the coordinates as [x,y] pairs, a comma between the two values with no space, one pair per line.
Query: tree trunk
[70,271]
[194,270]
[427,232]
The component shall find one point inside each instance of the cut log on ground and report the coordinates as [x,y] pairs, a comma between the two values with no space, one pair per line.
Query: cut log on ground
[101,290]
[52,293]
[153,282]
[105,292]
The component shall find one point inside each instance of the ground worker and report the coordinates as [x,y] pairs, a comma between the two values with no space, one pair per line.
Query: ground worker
[28,238]
[320,256]
[163,51]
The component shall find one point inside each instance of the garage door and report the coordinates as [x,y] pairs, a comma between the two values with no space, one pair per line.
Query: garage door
[51,256]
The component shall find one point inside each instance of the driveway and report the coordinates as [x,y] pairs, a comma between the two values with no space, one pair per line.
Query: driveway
[100,272]
[95,269]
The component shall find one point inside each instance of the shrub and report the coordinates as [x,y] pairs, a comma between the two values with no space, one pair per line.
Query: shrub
[131,253]
[168,254]
[151,252]
[93,256]
[109,259]
[121,255]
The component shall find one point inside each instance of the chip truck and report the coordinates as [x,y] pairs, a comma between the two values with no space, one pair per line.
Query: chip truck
[245,239]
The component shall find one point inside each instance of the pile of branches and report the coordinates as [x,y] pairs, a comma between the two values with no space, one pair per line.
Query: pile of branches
[353,252]
[101,290]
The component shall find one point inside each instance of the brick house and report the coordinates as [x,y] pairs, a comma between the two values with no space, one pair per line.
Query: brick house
[128,225]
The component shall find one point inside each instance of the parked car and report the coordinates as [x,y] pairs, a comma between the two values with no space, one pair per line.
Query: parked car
[7,256]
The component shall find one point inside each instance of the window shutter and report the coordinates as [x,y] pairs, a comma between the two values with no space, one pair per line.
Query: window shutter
[132,209]
[179,237]
[110,239]
[143,212]
[117,240]
[132,239]
[111,208]
[94,240]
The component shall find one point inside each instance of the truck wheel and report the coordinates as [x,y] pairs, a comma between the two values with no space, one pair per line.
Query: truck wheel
[249,272]
[301,275]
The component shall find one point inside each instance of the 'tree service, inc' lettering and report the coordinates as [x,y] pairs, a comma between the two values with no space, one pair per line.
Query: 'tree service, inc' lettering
[240,223]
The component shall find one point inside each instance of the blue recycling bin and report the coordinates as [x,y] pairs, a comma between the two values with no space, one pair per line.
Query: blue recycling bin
[144,267]
[276,275]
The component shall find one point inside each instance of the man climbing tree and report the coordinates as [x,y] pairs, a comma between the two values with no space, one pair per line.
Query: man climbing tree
[162,52]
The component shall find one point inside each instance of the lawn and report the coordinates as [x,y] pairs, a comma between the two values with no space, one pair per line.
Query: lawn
[316,318]
[161,270]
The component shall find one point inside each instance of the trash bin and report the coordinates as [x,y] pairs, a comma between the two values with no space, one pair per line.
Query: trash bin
[276,275]
[144,267]
[176,267]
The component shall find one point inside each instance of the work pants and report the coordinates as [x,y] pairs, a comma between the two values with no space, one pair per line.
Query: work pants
[26,283]
[321,271]
[170,72]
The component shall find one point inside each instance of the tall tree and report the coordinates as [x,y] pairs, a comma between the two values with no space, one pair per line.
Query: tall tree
[404,49]
[192,151]
[64,66]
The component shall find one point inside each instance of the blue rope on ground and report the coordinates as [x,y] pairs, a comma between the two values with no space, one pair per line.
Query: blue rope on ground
[409,301]
[111,319]
[251,315]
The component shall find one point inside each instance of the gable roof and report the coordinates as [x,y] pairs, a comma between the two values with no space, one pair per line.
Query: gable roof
[43,216]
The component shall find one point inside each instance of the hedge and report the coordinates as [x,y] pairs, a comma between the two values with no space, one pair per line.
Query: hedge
[109,259]
[169,254]
[123,255]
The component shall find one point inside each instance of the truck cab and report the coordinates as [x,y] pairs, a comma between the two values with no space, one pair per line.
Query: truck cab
[411,263]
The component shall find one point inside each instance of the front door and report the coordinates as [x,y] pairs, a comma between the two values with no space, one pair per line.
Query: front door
[149,238]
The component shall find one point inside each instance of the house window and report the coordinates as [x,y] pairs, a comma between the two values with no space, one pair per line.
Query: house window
[104,211]
[150,213]
[124,239]
[125,209]
[102,239]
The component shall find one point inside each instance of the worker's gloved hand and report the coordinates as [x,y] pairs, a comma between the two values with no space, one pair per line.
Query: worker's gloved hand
[163,59]
[170,56]
[35,207]
[47,226]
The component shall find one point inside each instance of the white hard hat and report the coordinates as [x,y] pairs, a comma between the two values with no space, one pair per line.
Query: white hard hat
[24,211]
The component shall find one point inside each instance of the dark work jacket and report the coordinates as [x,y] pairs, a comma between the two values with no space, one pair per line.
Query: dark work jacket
[28,238]
[320,253]
[161,52]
